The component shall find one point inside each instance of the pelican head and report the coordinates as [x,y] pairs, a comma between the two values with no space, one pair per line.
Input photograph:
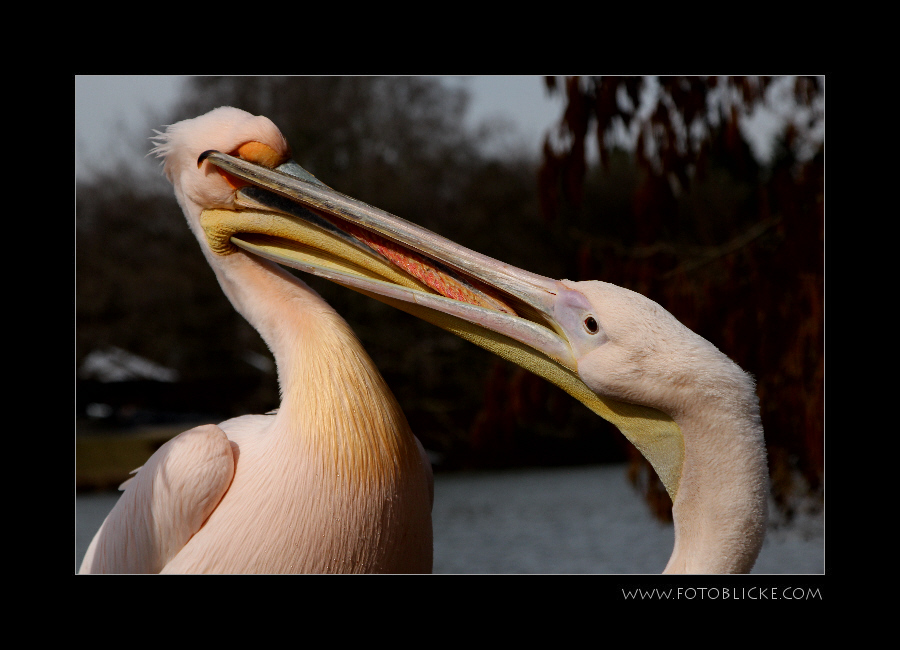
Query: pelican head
[183,144]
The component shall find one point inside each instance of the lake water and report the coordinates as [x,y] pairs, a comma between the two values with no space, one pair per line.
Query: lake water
[561,520]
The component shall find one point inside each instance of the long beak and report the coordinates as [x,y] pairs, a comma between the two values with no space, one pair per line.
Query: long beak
[362,240]
[290,217]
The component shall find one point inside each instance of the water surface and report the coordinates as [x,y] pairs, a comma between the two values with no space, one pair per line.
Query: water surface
[560,520]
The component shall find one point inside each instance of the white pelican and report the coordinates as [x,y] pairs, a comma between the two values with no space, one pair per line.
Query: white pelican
[334,483]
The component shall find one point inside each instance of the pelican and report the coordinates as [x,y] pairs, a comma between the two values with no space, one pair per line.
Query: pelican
[333,482]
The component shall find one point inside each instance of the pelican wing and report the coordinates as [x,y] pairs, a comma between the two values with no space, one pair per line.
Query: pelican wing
[164,504]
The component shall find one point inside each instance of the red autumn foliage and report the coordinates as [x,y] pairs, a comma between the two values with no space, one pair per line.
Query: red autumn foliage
[750,279]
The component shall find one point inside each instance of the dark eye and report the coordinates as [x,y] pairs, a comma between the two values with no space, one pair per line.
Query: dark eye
[591,325]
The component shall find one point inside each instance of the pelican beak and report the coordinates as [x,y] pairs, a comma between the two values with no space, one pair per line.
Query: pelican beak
[288,216]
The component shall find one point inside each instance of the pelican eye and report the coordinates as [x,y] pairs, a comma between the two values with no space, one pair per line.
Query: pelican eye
[590,324]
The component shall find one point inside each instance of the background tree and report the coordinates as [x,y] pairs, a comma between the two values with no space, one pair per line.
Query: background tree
[731,246]
[677,208]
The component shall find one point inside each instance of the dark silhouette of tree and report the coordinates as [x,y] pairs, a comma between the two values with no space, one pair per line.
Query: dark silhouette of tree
[732,247]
